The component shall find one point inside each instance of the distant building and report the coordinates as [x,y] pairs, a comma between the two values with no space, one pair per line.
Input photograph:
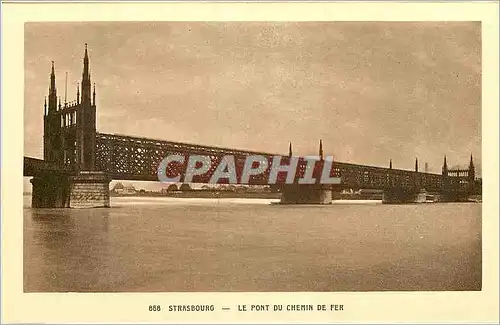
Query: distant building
[118,188]
[129,189]
[124,189]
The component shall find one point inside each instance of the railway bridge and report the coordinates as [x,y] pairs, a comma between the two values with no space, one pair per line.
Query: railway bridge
[79,163]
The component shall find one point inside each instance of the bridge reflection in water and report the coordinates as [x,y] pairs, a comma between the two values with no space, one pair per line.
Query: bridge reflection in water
[79,163]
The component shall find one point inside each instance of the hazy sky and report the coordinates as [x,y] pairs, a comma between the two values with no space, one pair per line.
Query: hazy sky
[371,91]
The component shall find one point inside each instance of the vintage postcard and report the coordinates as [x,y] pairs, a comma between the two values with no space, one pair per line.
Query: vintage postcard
[232,162]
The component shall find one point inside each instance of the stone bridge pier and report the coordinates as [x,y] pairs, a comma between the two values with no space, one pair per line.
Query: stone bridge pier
[306,194]
[50,190]
[87,189]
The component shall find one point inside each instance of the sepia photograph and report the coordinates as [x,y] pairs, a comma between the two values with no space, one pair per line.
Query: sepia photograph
[243,156]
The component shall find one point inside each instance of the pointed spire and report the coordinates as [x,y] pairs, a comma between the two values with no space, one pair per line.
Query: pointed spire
[86,55]
[445,167]
[45,106]
[93,96]
[52,79]
[52,98]
[416,164]
[66,90]
[59,102]
[290,150]
[77,93]
[472,170]
[471,167]
[390,163]
[320,149]
[86,79]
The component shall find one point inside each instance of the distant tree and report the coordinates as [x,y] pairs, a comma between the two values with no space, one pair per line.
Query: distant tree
[172,188]
[185,187]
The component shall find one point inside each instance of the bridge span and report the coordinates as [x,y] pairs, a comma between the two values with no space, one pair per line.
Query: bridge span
[79,163]
[134,158]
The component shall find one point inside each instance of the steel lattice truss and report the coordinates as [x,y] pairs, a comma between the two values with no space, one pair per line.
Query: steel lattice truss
[369,177]
[133,158]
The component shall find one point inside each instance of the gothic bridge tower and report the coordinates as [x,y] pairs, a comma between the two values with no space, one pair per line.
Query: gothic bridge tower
[86,128]
[70,128]
[70,143]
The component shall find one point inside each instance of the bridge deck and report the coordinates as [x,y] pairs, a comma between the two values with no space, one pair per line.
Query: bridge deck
[33,166]
[133,158]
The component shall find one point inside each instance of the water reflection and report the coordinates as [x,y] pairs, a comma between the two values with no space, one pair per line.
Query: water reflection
[69,247]
[233,246]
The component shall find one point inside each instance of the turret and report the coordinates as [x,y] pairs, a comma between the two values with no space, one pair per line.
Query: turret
[320,149]
[52,123]
[472,169]
[445,167]
[472,177]
[52,91]
[77,93]
[86,121]
[86,78]
[93,96]
[290,150]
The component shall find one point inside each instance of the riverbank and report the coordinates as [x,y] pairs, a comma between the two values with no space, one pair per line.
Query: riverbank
[203,195]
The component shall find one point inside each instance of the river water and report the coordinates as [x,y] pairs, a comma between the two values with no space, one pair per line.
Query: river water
[167,244]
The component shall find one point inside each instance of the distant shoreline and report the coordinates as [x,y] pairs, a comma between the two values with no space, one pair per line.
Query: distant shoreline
[203,194]
[231,195]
